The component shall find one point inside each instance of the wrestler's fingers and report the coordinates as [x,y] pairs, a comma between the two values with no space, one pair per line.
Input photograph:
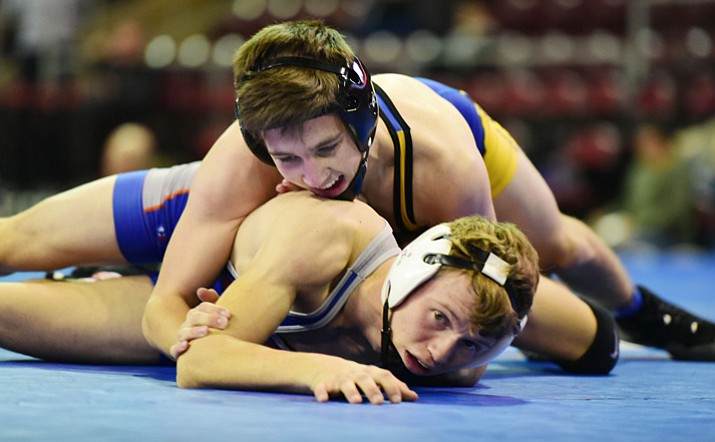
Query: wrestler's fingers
[209,315]
[286,186]
[191,333]
[397,391]
[371,390]
[178,349]
[208,307]
[207,295]
[406,394]
[321,393]
[351,392]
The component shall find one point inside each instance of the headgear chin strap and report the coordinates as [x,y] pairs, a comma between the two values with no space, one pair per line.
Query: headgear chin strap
[356,105]
[420,261]
[355,186]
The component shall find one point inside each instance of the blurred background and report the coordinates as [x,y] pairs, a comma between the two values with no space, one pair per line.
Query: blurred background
[613,100]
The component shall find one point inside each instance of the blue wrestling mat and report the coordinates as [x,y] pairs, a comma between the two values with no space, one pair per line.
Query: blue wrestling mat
[646,398]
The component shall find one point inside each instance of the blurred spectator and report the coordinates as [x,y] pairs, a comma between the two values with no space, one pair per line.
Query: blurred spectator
[120,81]
[473,18]
[657,206]
[696,145]
[585,168]
[44,34]
[403,17]
[131,146]
[119,86]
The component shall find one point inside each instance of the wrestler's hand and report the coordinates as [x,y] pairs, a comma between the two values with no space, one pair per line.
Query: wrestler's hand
[199,319]
[353,380]
[286,186]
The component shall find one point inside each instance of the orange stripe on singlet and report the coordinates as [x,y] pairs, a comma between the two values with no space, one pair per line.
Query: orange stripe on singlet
[167,198]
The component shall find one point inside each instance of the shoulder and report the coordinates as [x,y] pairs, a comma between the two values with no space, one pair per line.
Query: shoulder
[301,213]
[232,176]
[298,225]
[400,85]
[432,118]
[440,134]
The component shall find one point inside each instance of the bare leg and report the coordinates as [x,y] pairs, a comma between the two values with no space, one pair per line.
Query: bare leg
[75,227]
[560,326]
[78,322]
[582,260]
[566,246]
[597,266]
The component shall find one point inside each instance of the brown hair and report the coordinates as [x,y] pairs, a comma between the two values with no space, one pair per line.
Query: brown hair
[286,96]
[494,315]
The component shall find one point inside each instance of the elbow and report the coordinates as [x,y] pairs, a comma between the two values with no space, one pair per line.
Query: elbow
[184,373]
[190,368]
[149,324]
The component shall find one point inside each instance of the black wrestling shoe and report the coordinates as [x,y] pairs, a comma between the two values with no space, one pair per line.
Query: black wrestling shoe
[663,325]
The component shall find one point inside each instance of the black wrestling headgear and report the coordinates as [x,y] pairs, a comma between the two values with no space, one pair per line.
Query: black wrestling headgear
[356,106]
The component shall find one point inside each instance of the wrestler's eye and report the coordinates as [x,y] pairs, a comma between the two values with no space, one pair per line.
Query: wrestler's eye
[284,159]
[440,318]
[327,151]
[469,345]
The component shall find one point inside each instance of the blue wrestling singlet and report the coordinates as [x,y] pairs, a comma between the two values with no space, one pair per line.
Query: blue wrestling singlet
[147,205]
[465,105]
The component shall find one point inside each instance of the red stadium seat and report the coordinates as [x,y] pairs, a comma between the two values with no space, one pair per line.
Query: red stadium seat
[657,97]
[699,96]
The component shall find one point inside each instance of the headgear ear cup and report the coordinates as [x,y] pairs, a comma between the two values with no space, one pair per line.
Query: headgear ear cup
[359,105]
[254,144]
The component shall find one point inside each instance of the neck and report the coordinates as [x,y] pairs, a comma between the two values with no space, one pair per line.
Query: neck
[366,306]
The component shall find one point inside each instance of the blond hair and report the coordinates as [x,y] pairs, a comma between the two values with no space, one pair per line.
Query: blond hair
[287,96]
[494,315]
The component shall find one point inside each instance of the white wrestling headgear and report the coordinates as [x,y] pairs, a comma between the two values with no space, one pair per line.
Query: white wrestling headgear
[421,260]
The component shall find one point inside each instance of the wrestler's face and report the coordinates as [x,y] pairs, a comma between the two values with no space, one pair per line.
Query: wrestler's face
[432,331]
[320,156]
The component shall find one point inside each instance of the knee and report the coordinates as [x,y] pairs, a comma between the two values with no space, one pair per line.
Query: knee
[14,238]
[602,354]
[568,247]
[7,236]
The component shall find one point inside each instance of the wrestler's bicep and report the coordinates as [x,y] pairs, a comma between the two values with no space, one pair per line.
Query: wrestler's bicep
[295,260]
[258,306]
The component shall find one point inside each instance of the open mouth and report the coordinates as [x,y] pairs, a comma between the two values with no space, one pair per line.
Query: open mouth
[332,189]
[415,365]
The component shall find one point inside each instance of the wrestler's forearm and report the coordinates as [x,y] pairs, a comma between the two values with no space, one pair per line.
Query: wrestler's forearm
[221,361]
[197,251]
[162,319]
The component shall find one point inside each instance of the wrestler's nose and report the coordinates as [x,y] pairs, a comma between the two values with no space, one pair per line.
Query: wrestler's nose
[443,349]
[314,175]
